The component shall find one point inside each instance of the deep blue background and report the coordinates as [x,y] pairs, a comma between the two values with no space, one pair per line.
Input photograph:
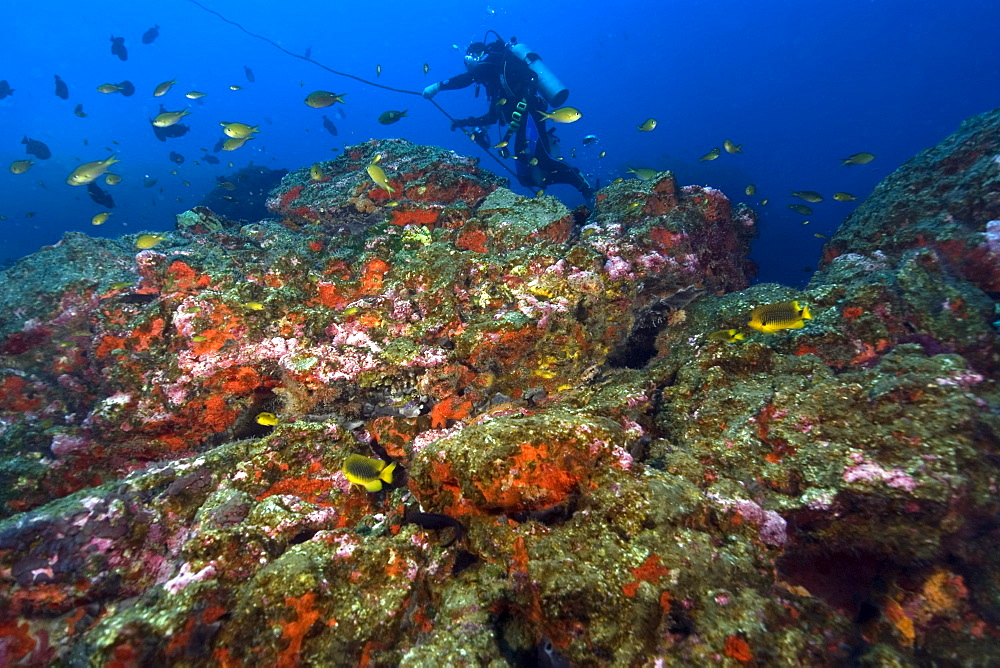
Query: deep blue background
[799,84]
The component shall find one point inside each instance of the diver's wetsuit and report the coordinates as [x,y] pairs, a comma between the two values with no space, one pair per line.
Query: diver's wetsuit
[508,82]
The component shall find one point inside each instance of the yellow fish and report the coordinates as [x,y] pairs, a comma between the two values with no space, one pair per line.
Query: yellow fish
[712,155]
[315,172]
[857,159]
[731,147]
[500,144]
[602,154]
[233,143]
[163,88]
[533,162]
[147,241]
[239,130]
[751,189]
[112,179]
[368,472]
[647,125]
[194,95]
[267,419]
[21,166]
[644,173]
[100,218]
[88,172]
[820,236]
[808,195]
[770,318]
[108,88]
[764,201]
[805,222]
[801,208]
[322,98]
[844,197]
[168,118]
[727,335]
[562,115]
[378,176]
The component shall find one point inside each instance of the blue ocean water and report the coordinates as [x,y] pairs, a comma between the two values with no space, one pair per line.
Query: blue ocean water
[799,85]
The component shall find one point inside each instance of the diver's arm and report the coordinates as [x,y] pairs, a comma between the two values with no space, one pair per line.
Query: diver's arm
[489,118]
[458,81]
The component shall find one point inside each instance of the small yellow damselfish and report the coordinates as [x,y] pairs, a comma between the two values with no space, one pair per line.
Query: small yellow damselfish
[267,419]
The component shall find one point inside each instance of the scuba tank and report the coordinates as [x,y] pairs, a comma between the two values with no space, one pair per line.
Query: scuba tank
[554,92]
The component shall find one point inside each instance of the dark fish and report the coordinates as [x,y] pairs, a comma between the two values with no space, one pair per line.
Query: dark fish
[176,157]
[249,73]
[148,182]
[210,159]
[36,148]
[79,111]
[391,116]
[177,130]
[218,145]
[139,299]
[339,113]
[127,89]
[330,127]
[62,90]
[118,48]
[547,656]
[436,522]
[100,196]
[5,89]
[309,51]
[151,34]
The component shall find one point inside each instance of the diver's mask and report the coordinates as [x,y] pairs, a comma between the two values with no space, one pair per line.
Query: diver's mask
[474,55]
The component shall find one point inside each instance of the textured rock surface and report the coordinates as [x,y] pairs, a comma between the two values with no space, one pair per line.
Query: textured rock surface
[947,199]
[631,491]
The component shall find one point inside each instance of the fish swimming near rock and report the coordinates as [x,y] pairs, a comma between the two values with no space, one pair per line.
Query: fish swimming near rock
[267,419]
[379,177]
[147,241]
[62,90]
[844,197]
[390,117]
[100,195]
[436,522]
[36,148]
[151,34]
[727,335]
[368,472]
[857,159]
[643,173]
[118,48]
[329,126]
[5,89]
[770,318]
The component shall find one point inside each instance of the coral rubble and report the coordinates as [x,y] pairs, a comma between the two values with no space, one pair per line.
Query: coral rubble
[599,481]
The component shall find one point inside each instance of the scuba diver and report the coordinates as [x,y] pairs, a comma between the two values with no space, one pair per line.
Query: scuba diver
[518,86]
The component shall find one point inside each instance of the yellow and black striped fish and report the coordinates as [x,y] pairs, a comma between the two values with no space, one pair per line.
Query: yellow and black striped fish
[770,318]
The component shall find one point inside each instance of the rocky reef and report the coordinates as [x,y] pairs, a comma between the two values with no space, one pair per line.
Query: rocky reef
[586,475]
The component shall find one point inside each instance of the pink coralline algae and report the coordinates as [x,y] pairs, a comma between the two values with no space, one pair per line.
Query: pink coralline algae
[866,471]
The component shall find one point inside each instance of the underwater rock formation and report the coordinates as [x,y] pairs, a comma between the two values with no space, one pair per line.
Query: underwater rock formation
[601,480]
